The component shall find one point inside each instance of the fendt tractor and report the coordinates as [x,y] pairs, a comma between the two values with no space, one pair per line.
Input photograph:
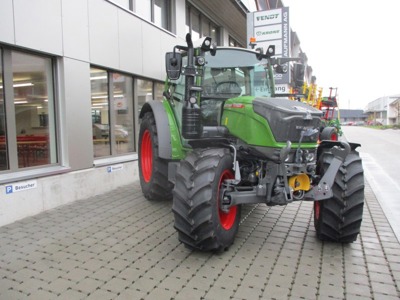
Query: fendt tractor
[221,138]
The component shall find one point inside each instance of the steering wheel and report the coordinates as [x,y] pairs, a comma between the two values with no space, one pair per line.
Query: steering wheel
[229,88]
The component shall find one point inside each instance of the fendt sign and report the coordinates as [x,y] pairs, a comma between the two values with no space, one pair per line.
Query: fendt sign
[271,27]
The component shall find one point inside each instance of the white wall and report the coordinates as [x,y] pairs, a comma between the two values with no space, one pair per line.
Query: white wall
[76,114]
[80,33]
[75,29]
[57,190]
[7,22]
[38,25]
[94,31]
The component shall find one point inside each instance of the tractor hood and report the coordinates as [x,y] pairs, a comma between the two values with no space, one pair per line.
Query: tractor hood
[287,118]
[270,122]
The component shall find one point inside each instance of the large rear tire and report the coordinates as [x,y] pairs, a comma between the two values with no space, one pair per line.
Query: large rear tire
[153,170]
[200,222]
[339,218]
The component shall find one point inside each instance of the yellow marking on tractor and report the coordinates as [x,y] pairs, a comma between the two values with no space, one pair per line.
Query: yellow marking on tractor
[300,182]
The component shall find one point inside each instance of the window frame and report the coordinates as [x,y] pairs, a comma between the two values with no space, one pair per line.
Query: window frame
[113,153]
[234,43]
[13,168]
[203,19]
[169,6]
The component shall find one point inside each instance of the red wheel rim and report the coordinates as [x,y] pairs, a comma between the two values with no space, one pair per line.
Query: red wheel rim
[146,156]
[226,219]
[317,207]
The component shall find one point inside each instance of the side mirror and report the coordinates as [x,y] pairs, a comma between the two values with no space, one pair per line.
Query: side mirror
[270,52]
[298,75]
[173,65]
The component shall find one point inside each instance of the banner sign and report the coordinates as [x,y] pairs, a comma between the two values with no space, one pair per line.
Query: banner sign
[271,27]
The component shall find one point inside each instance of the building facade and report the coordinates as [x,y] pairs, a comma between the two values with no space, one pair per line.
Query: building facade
[384,110]
[73,77]
[351,116]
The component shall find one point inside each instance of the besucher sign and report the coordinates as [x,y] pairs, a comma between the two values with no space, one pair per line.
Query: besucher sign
[21,186]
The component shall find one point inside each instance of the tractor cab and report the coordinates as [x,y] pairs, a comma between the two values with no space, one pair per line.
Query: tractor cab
[202,78]
[228,73]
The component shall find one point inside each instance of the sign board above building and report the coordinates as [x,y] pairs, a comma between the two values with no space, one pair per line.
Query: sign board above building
[271,27]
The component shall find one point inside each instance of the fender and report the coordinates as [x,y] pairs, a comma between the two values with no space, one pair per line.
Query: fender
[323,190]
[163,128]
[330,144]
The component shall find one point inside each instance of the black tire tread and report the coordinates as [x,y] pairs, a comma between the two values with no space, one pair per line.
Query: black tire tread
[192,200]
[341,216]
[159,187]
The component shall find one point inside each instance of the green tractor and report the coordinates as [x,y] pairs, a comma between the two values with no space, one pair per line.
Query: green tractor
[221,139]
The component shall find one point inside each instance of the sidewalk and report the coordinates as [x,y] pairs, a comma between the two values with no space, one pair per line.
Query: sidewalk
[121,246]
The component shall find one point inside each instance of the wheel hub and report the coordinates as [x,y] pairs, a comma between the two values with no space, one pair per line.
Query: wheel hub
[146,157]
[227,216]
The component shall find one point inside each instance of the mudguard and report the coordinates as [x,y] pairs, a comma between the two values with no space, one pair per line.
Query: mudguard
[323,190]
[162,124]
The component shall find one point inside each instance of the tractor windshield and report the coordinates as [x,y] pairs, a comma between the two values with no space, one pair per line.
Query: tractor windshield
[234,72]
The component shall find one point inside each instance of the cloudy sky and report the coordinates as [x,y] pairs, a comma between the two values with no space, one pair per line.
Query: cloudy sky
[353,45]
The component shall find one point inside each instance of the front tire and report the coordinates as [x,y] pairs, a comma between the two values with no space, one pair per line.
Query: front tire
[153,170]
[339,218]
[200,222]
[329,134]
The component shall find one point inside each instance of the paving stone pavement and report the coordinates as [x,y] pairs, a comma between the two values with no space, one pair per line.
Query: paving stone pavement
[120,246]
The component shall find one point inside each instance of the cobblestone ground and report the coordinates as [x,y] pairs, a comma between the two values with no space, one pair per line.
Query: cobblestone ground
[120,246]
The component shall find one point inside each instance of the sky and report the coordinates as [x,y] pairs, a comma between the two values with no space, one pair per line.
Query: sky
[351,45]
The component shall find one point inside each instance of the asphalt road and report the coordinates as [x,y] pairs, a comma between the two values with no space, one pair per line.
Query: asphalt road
[380,151]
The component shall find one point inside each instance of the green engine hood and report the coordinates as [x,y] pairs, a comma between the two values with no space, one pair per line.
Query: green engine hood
[270,122]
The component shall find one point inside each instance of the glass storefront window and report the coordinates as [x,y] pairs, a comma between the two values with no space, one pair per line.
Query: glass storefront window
[100,112]
[3,137]
[34,109]
[144,92]
[123,113]
[113,110]
[158,91]
[112,120]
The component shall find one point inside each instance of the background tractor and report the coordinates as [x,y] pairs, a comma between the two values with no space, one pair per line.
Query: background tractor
[330,127]
[220,139]
[331,114]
